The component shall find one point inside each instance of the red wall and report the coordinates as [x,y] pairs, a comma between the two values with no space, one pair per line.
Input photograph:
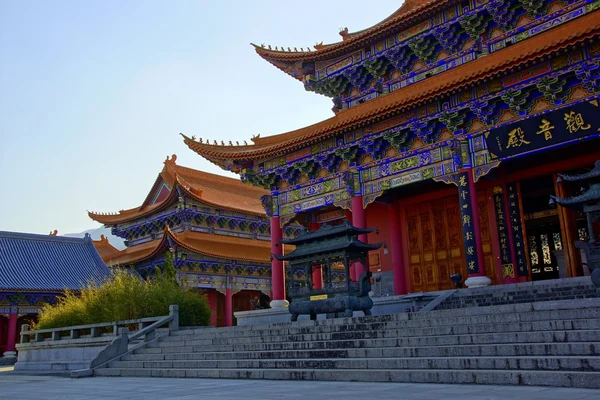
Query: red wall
[377,216]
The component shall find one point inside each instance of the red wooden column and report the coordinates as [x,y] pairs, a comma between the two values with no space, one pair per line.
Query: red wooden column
[228,307]
[1,331]
[352,273]
[396,249]
[11,337]
[478,278]
[212,301]
[317,275]
[277,272]
[476,225]
[359,220]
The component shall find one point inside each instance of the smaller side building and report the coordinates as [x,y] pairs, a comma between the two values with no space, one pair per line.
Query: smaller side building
[216,229]
[36,269]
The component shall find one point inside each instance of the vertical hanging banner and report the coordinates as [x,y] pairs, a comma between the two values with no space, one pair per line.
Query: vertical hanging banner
[466,219]
[517,230]
[508,268]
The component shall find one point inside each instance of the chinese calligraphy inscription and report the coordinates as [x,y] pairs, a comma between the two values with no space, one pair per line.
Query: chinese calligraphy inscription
[562,125]
[505,253]
[466,217]
[517,229]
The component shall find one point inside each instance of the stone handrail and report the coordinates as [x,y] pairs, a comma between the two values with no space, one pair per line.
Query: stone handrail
[147,328]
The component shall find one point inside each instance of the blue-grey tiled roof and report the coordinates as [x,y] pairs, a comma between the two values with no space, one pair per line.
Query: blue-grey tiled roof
[43,262]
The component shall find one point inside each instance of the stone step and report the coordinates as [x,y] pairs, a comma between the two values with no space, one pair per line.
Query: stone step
[56,365]
[491,377]
[403,339]
[593,324]
[578,304]
[547,325]
[362,349]
[493,363]
[571,288]
[410,321]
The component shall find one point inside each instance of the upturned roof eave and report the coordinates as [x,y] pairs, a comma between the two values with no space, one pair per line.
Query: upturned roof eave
[350,246]
[398,20]
[327,231]
[467,74]
[181,240]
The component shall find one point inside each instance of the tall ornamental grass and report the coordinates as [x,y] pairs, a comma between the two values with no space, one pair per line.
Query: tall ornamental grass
[125,296]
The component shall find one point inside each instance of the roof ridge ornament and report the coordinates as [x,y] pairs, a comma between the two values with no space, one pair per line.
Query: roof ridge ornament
[344,34]
[282,49]
[172,160]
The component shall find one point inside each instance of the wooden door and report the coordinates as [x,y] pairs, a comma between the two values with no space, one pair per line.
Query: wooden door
[435,244]
[220,297]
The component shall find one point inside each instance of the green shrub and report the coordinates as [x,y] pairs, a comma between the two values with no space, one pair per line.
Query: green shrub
[125,296]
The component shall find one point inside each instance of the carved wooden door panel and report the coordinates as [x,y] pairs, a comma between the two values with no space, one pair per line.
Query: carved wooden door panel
[441,243]
[428,266]
[455,252]
[435,244]
[414,248]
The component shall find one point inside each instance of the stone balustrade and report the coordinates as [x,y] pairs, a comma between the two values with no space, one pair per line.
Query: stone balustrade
[85,347]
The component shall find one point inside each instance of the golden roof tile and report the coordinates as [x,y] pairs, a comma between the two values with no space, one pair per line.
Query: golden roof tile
[106,250]
[215,190]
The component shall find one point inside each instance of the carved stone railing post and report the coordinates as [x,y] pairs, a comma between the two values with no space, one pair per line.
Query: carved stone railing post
[174,312]
[24,338]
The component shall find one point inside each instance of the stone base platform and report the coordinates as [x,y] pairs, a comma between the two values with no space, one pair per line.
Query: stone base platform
[381,306]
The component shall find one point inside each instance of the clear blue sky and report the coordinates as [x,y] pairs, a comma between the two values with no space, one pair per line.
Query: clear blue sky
[93,94]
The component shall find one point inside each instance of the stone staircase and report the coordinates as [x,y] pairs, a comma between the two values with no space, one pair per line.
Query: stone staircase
[554,343]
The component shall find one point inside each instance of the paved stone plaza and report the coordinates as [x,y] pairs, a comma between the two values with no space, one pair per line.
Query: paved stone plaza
[27,387]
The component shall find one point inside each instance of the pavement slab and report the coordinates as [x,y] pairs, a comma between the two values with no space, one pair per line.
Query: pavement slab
[34,387]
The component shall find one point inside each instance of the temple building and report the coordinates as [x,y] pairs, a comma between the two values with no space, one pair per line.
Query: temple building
[35,270]
[214,226]
[452,119]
